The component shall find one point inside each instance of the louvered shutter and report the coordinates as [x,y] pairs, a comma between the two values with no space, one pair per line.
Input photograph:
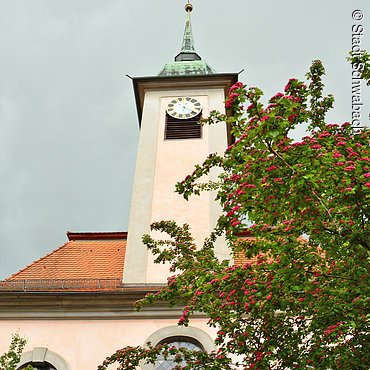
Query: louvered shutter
[182,129]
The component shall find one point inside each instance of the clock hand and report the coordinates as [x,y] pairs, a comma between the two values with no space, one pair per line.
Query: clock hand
[189,107]
[185,109]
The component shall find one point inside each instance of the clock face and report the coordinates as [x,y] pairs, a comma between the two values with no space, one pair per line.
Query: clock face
[184,107]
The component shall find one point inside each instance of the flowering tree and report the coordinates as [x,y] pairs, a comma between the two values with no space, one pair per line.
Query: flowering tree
[361,62]
[291,301]
[9,360]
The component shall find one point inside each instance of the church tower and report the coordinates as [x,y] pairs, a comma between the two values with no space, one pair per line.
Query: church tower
[171,142]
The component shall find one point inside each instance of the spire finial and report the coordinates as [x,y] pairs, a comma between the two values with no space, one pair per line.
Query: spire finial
[187,62]
[188,40]
[188,7]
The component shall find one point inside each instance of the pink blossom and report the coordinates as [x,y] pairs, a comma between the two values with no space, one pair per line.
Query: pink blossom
[341,143]
[271,168]
[228,104]
[235,222]
[324,134]
[352,154]
[264,118]
[337,155]
[237,85]
[367,175]
[277,96]
[367,184]
[235,177]
[232,292]
[350,168]
[233,95]
[316,146]
[171,280]
[289,83]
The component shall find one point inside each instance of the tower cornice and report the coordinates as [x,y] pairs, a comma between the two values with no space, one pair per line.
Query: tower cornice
[215,80]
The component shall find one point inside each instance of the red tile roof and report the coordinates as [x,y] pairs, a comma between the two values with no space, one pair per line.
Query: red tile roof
[240,259]
[87,262]
[84,256]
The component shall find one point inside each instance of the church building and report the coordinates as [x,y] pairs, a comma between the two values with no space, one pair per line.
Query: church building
[75,305]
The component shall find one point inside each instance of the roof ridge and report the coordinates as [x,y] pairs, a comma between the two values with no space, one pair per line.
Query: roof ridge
[96,235]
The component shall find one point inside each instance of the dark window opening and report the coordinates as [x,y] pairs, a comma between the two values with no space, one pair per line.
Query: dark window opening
[44,366]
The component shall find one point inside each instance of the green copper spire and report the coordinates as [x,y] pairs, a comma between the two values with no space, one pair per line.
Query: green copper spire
[188,40]
[187,62]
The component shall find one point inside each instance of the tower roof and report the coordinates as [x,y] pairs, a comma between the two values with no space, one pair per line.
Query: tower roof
[187,62]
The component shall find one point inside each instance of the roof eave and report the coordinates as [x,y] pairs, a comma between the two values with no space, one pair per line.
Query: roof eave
[140,84]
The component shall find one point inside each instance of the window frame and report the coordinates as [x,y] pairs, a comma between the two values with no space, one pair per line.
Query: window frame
[42,355]
[168,332]
[179,339]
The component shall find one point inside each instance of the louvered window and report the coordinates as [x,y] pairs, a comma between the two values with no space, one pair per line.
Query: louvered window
[181,129]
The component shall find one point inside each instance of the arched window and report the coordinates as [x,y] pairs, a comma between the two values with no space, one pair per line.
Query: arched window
[177,342]
[41,358]
[178,336]
[44,366]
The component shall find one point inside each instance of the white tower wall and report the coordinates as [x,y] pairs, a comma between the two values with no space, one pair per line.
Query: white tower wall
[160,164]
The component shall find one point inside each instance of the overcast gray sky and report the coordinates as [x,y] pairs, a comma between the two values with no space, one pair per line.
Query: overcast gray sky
[68,123]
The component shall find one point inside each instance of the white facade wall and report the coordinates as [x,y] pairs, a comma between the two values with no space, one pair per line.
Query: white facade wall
[84,344]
